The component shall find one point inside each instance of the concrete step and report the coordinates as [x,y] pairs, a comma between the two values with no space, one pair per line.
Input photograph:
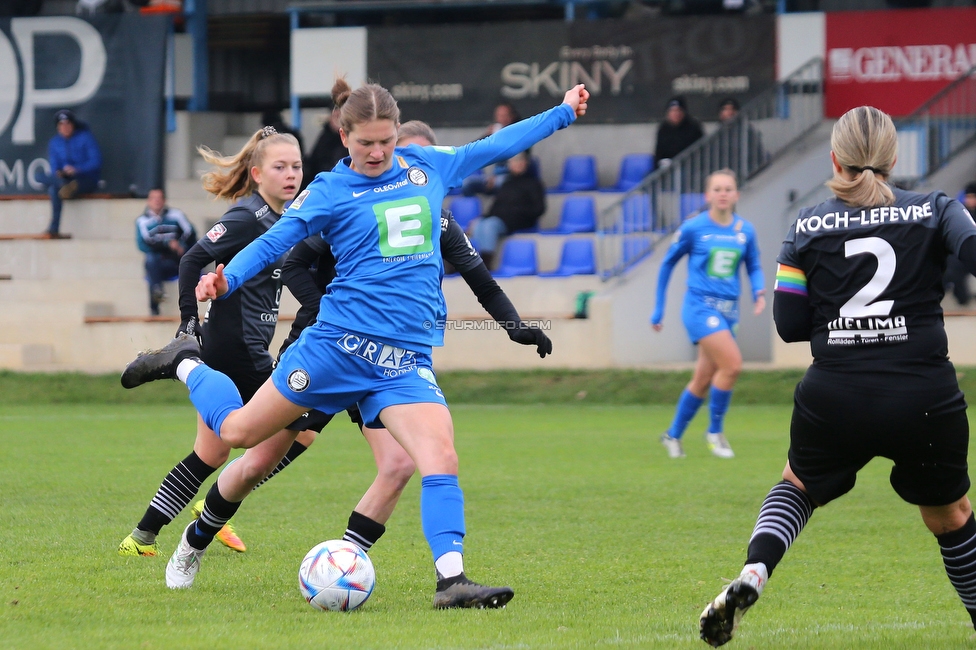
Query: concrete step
[576,343]
[549,297]
[21,356]
[70,259]
[98,219]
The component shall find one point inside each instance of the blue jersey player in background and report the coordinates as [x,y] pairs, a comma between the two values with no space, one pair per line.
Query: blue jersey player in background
[379,211]
[716,242]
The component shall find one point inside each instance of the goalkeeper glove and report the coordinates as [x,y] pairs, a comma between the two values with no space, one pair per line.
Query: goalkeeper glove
[191,327]
[526,334]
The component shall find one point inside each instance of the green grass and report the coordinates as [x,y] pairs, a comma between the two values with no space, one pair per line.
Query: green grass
[636,387]
[607,542]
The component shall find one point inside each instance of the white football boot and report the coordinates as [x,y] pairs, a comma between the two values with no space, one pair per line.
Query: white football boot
[182,568]
[718,445]
[673,445]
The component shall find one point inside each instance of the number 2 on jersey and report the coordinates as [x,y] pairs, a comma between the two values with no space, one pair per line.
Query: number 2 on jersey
[862,303]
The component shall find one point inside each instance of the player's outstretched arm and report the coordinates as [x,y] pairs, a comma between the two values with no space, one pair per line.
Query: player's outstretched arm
[576,97]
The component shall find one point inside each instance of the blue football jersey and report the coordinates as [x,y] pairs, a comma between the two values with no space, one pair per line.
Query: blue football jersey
[715,253]
[385,233]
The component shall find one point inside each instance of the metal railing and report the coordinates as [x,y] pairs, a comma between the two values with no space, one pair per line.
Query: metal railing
[927,140]
[766,127]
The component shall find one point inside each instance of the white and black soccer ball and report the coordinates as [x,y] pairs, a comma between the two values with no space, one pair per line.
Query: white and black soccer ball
[337,576]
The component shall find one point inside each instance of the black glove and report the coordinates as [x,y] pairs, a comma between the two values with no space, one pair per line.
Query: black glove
[191,327]
[527,335]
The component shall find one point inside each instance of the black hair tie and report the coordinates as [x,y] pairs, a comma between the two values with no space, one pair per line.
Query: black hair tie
[861,169]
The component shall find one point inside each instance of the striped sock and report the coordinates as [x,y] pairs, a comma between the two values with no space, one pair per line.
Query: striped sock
[177,490]
[296,450]
[959,557]
[783,514]
[217,511]
[363,531]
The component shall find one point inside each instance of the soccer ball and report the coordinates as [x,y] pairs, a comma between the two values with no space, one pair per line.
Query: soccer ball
[337,576]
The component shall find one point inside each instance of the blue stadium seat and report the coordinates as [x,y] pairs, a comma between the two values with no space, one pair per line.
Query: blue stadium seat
[691,204]
[577,258]
[465,210]
[634,168]
[518,258]
[635,248]
[578,215]
[579,174]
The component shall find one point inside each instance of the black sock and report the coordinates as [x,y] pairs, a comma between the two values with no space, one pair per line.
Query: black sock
[959,557]
[296,450]
[217,511]
[177,490]
[363,531]
[782,516]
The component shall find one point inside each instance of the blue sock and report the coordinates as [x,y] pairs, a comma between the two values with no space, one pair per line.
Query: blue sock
[718,404]
[688,405]
[214,395]
[442,513]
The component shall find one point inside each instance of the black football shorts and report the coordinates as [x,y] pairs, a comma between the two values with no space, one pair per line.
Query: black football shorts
[843,420]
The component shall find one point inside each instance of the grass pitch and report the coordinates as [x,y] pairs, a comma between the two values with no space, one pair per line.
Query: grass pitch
[606,541]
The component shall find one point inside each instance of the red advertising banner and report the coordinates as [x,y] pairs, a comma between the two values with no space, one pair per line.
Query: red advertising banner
[895,60]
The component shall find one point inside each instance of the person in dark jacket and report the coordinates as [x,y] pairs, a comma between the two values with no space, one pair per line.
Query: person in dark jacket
[518,205]
[76,165]
[739,145]
[676,133]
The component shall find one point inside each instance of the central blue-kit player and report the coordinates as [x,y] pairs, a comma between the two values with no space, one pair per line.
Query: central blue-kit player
[380,318]
[717,242]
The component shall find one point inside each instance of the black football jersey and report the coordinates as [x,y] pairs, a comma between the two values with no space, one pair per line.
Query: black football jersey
[250,313]
[874,277]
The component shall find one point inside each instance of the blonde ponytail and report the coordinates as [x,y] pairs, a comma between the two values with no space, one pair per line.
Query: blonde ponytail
[865,145]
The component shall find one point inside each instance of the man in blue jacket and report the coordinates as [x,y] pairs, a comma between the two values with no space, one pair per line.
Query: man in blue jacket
[76,165]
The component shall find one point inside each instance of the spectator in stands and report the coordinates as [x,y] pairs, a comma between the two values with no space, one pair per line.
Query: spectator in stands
[728,145]
[76,165]
[956,277]
[518,205]
[677,132]
[328,149]
[494,176]
[163,234]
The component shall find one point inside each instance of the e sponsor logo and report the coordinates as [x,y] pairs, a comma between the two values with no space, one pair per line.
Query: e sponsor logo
[405,226]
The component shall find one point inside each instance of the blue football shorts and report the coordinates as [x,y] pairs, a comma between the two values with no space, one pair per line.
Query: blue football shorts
[329,369]
[704,315]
